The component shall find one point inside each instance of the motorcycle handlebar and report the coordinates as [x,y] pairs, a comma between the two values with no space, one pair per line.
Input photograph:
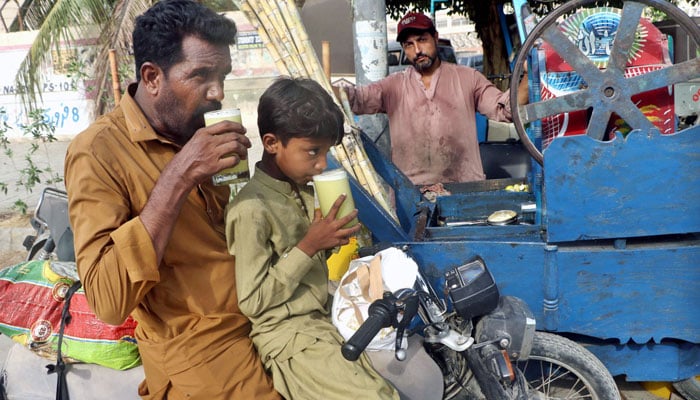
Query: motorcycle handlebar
[380,315]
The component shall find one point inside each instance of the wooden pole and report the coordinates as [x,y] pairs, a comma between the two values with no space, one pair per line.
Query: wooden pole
[116,88]
[326,55]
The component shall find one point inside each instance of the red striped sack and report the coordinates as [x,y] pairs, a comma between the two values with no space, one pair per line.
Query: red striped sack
[31,301]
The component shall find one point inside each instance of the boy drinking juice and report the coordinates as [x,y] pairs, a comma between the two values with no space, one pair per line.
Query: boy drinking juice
[280,243]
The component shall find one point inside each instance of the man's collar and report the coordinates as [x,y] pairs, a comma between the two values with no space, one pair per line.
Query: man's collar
[140,130]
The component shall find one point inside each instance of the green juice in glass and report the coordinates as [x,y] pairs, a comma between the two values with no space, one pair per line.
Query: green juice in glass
[240,172]
[331,184]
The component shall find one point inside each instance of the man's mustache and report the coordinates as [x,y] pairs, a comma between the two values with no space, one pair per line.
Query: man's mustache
[212,106]
[419,55]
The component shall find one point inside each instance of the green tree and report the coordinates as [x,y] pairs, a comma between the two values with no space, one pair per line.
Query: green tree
[65,20]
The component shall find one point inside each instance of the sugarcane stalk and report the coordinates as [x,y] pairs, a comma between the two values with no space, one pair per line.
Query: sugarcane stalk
[274,53]
[364,159]
[271,23]
[307,53]
[345,103]
[358,157]
[339,153]
[281,24]
[359,173]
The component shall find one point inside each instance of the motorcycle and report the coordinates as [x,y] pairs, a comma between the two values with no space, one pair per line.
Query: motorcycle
[54,237]
[485,344]
[23,374]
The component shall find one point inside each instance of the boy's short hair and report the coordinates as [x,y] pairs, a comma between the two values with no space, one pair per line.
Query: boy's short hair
[299,108]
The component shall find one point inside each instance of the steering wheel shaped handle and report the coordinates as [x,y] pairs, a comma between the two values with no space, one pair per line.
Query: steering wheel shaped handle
[605,91]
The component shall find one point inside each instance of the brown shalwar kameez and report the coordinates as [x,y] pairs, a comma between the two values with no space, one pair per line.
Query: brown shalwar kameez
[192,337]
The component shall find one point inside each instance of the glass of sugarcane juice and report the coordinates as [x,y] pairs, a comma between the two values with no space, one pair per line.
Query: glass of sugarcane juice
[239,172]
[331,184]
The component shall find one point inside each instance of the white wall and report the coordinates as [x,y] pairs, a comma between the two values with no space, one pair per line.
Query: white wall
[68,108]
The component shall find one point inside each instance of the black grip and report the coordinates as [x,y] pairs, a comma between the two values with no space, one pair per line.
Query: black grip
[368,330]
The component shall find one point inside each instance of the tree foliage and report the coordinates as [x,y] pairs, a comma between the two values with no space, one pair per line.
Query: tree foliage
[68,21]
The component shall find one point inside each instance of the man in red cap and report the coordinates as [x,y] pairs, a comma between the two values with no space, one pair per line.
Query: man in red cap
[432,108]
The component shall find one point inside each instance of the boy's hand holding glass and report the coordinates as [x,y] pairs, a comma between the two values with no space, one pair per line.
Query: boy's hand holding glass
[331,184]
[329,232]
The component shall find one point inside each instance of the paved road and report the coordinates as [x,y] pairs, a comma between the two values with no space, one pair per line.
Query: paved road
[13,226]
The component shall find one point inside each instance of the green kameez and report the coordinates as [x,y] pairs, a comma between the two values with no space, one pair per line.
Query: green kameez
[284,293]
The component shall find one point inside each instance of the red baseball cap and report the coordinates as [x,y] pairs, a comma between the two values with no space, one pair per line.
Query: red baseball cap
[415,21]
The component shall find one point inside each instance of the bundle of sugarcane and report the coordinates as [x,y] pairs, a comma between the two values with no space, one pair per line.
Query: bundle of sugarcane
[281,29]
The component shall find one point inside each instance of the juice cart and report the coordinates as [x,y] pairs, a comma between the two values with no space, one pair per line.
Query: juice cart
[605,245]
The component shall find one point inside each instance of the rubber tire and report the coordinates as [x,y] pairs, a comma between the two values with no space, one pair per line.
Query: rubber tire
[689,388]
[570,355]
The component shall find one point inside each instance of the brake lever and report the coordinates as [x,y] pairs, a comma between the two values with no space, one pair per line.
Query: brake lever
[407,307]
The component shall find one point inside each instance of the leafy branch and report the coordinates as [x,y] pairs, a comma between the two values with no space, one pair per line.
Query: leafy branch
[40,131]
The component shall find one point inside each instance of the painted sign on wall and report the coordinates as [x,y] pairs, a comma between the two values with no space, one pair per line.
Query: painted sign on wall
[65,101]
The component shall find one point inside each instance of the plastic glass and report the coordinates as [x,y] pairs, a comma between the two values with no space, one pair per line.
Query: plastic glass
[331,184]
[239,172]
